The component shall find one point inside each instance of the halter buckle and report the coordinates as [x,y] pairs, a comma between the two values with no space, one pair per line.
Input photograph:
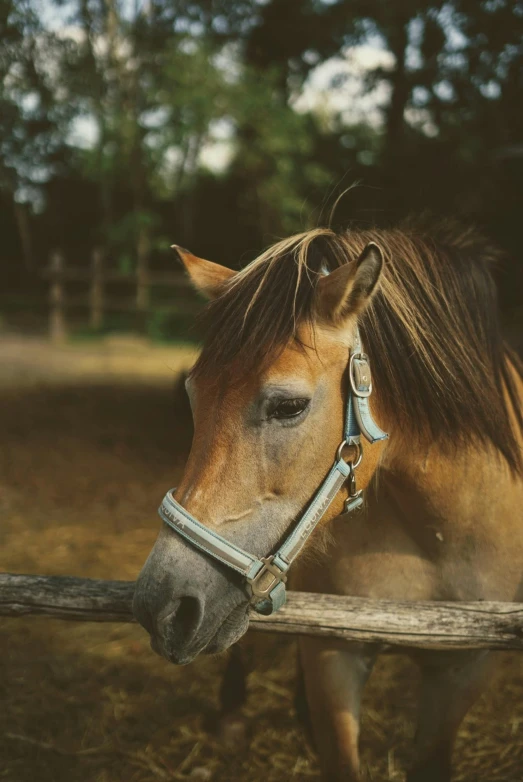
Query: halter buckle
[264,591]
[359,375]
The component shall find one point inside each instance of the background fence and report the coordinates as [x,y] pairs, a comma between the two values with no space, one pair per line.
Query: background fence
[98,299]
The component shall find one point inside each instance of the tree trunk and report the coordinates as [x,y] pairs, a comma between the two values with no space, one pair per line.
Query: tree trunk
[24,232]
[398,39]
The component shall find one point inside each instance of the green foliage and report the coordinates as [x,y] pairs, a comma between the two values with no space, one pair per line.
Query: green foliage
[158,86]
[164,325]
[30,149]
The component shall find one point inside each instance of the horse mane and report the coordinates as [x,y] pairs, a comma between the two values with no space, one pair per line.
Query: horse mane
[431,330]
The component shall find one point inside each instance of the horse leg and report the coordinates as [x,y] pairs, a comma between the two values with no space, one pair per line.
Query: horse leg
[335,674]
[451,682]
[301,705]
[231,728]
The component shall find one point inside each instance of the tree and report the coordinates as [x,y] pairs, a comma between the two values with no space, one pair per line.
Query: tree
[31,124]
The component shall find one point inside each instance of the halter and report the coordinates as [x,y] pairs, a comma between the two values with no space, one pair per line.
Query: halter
[266,576]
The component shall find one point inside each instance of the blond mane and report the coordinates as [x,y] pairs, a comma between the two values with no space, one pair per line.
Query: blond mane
[432,331]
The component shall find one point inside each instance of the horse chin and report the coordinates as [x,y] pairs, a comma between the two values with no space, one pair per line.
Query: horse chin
[234,627]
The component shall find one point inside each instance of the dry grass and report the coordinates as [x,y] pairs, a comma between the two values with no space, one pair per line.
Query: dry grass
[82,467]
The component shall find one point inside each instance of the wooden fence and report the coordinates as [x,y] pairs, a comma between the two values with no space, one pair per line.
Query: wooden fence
[425,625]
[98,300]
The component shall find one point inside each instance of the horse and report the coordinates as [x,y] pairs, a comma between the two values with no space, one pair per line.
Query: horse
[442,518]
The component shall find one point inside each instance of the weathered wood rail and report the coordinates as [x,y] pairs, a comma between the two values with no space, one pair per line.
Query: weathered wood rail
[433,625]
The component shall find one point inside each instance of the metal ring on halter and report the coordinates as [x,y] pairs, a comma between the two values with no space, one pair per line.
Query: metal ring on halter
[339,452]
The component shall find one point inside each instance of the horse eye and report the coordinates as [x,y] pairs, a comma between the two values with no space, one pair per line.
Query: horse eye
[289,408]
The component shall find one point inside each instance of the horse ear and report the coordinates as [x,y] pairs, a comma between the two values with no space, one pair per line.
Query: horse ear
[347,290]
[206,276]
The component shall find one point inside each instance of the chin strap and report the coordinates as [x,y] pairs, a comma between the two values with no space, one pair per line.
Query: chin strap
[266,576]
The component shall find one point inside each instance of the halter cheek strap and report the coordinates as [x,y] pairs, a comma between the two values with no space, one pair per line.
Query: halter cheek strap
[358,417]
[266,576]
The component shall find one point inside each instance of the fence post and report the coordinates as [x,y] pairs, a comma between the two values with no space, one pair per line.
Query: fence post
[57,325]
[96,293]
[142,278]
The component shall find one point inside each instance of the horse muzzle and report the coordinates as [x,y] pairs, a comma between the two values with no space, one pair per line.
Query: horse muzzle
[182,626]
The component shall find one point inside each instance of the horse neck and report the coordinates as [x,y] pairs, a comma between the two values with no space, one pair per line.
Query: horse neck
[431,480]
[438,470]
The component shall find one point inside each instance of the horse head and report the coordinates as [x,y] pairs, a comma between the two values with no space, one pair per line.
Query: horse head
[268,397]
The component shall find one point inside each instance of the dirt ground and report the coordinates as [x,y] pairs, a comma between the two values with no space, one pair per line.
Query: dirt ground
[90,438]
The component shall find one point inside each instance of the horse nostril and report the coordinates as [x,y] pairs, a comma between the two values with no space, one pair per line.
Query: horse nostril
[186,619]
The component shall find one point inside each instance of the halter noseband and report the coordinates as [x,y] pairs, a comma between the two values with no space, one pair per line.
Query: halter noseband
[266,576]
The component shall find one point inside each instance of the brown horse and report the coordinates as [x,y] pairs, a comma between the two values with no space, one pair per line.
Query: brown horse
[443,518]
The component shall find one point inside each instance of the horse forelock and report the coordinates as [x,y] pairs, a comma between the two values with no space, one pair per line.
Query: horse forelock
[439,364]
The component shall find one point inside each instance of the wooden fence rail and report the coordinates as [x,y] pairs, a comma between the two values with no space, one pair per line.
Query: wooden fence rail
[427,625]
[97,299]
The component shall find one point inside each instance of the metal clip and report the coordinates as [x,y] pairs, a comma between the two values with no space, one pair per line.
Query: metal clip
[353,504]
[355,499]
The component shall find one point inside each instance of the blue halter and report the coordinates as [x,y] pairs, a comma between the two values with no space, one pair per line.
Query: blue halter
[266,576]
